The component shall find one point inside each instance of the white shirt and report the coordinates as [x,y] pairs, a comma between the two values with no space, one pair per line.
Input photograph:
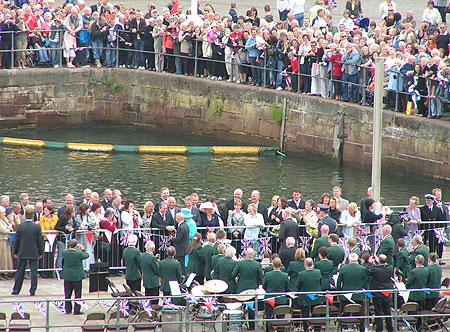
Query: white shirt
[253,232]
[383,10]
[348,221]
[297,6]
[432,16]
[282,5]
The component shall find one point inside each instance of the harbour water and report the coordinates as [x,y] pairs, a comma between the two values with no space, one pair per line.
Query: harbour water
[51,173]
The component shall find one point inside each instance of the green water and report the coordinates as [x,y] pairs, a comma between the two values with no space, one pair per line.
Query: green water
[52,173]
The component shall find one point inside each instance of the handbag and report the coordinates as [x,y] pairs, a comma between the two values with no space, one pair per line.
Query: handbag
[104,246]
[208,53]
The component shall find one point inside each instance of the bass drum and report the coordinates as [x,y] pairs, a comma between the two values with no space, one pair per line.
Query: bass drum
[232,320]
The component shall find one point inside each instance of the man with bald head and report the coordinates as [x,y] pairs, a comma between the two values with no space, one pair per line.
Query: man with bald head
[39,212]
[107,197]
[229,205]
[261,208]
[387,246]
[321,241]
[70,201]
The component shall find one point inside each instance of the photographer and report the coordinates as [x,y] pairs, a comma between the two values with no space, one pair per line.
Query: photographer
[73,274]
[398,222]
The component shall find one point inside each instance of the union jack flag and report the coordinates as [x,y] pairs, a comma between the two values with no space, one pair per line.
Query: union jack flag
[333,3]
[105,303]
[147,306]
[343,243]
[418,233]
[210,303]
[440,235]
[124,307]
[40,307]
[60,306]
[245,244]
[191,299]
[303,242]
[82,304]
[18,307]
[364,241]
[124,237]
[378,239]
[146,237]
[165,243]
[265,245]
[167,301]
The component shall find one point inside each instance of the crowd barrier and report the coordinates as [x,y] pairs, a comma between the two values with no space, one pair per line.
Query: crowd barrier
[184,312]
[400,97]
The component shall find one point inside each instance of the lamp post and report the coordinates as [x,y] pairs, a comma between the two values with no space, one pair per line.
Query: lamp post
[377,131]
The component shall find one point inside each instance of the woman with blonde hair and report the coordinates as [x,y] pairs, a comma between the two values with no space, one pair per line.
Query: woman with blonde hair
[351,218]
[254,221]
[5,252]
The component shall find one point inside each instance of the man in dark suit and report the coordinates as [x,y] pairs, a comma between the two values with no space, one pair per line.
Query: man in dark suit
[137,28]
[288,253]
[181,241]
[194,210]
[229,205]
[86,197]
[73,274]
[70,201]
[39,211]
[430,212]
[98,8]
[171,207]
[165,224]
[288,228]
[382,274]
[107,196]
[169,270]
[261,208]
[165,193]
[296,203]
[28,247]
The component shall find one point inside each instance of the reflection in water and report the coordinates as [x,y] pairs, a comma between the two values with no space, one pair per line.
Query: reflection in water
[54,173]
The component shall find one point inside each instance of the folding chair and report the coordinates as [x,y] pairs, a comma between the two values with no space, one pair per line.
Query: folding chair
[112,322]
[144,322]
[318,311]
[95,322]
[17,323]
[433,323]
[407,309]
[3,322]
[114,291]
[349,322]
[284,324]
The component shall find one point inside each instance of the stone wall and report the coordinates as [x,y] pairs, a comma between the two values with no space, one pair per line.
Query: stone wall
[63,97]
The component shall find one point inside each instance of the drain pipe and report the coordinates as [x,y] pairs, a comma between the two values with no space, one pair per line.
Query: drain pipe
[283,127]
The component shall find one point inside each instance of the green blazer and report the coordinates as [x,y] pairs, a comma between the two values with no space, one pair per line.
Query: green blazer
[249,273]
[387,247]
[420,250]
[434,279]
[417,279]
[336,254]
[169,270]
[295,267]
[319,242]
[309,281]
[150,270]
[269,268]
[326,268]
[215,250]
[73,269]
[207,253]
[276,282]
[214,260]
[196,263]
[402,263]
[131,257]
[355,250]
[352,276]
[223,271]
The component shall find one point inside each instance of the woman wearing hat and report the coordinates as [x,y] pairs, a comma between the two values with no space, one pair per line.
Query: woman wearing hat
[208,216]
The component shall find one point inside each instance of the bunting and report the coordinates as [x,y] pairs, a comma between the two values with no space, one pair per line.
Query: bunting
[105,303]
[271,301]
[245,244]
[333,4]
[387,294]
[147,306]
[89,236]
[40,306]
[18,307]
[303,242]
[329,298]
[209,302]
[265,245]
[124,235]
[440,235]
[312,296]
[364,241]
[368,294]
[250,305]
[146,237]
[124,307]
[167,301]
[378,239]
[60,306]
[190,298]
[164,242]
[82,304]
[343,243]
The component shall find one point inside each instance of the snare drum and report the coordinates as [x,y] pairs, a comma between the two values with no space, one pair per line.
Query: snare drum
[204,313]
[232,320]
[233,306]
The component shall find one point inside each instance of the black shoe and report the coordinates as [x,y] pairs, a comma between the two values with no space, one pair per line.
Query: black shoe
[78,313]
[442,263]
[14,293]
[32,294]
[68,312]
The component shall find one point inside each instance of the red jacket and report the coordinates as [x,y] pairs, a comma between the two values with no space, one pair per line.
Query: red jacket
[294,65]
[175,5]
[168,37]
[337,64]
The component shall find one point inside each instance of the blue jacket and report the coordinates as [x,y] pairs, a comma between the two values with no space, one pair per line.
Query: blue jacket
[252,52]
[85,36]
[351,62]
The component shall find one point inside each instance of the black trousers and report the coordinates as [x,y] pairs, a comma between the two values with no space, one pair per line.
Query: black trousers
[382,306]
[182,260]
[152,292]
[135,285]
[21,273]
[69,287]
[430,303]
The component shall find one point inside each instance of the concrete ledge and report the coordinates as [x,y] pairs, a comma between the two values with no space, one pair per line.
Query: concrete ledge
[162,149]
[23,142]
[90,147]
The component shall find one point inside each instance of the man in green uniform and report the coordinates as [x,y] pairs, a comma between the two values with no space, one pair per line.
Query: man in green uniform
[207,252]
[387,246]
[169,270]
[418,248]
[417,279]
[132,260]
[402,266]
[336,253]
[434,280]
[221,236]
[319,242]
[150,271]
[250,277]
[275,282]
[308,281]
[352,245]
[352,277]
[73,274]
[220,253]
[224,268]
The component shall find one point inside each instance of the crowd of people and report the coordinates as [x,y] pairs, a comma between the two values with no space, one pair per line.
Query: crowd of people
[319,51]
[207,239]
